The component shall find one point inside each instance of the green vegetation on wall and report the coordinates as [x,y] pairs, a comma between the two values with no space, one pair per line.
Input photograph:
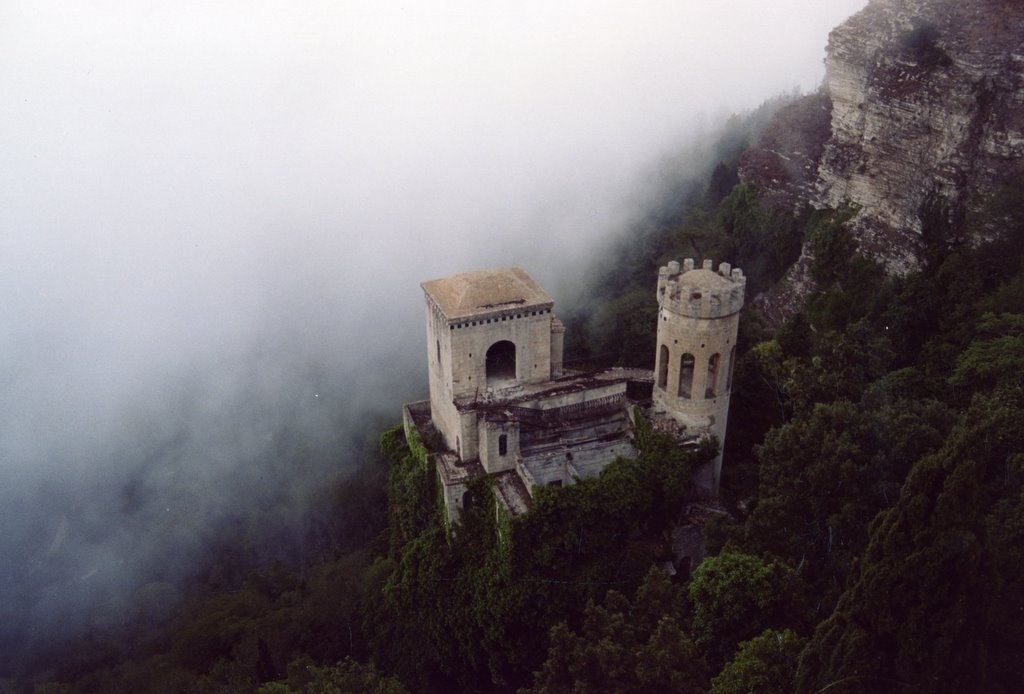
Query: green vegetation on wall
[466,609]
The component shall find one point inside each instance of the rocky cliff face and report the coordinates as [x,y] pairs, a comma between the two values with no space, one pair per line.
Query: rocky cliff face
[927,110]
[926,115]
[784,162]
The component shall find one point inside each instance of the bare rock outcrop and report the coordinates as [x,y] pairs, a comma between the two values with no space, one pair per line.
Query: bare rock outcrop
[927,106]
[783,164]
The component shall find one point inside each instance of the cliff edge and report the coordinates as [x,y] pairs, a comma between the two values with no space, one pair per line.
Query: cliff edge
[927,110]
[925,122]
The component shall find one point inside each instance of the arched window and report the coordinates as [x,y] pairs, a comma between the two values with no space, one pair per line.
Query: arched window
[438,351]
[686,376]
[663,367]
[467,501]
[501,363]
[732,365]
[711,385]
[503,444]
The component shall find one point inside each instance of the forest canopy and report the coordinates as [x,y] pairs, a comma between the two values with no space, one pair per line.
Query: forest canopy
[874,481]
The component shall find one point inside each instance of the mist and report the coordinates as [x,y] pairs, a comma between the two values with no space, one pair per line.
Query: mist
[215,216]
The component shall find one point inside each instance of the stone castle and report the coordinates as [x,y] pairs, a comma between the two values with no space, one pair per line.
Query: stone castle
[503,405]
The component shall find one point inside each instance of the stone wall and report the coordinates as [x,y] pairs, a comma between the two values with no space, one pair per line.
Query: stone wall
[530,333]
[698,321]
[493,456]
[457,362]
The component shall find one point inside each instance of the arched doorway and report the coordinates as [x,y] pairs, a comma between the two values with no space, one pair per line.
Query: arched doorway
[501,363]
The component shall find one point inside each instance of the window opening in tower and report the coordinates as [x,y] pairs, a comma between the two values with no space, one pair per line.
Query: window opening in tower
[501,364]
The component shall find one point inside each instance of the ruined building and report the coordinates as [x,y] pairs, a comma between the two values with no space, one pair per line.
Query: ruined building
[502,404]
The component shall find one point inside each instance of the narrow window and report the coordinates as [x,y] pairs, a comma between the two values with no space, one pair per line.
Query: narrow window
[732,364]
[686,376]
[663,367]
[503,444]
[467,501]
[438,351]
[711,385]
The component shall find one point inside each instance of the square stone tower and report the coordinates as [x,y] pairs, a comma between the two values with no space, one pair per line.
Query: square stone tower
[488,331]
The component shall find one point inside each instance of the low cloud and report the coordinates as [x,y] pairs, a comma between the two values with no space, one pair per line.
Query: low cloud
[214,218]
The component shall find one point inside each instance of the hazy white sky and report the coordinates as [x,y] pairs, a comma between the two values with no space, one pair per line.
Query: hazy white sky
[135,127]
[224,193]
[177,174]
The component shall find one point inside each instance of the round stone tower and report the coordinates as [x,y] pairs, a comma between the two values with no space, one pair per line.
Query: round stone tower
[698,317]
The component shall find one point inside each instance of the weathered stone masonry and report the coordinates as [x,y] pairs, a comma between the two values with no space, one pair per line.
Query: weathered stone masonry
[698,320]
[504,406]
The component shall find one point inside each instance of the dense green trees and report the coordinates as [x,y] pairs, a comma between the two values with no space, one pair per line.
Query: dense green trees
[474,608]
[823,477]
[874,473]
[624,646]
[737,596]
[896,491]
[935,601]
[766,664]
[305,677]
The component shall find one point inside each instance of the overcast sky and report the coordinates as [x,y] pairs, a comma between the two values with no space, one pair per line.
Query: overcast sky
[179,175]
[207,202]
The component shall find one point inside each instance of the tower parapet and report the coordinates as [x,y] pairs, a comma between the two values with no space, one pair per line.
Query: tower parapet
[698,320]
[701,293]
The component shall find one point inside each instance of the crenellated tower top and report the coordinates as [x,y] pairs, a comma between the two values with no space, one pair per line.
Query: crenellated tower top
[701,292]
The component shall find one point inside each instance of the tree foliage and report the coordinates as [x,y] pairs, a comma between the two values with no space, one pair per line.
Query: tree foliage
[934,603]
[765,664]
[875,474]
[625,646]
[466,609]
[346,677]
[736,596]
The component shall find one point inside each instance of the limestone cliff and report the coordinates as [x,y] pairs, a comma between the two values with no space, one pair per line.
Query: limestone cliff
[926,101]
[927,106]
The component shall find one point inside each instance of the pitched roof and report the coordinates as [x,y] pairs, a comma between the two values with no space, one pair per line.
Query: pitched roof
[485,291]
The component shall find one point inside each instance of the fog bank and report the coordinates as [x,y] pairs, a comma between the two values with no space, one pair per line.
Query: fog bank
[214,218]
